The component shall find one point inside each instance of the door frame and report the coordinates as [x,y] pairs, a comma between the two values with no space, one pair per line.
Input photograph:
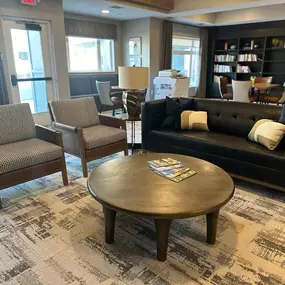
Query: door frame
[50,51]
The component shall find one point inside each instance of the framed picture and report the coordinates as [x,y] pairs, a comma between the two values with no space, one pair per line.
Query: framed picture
[135,61]
[135,46]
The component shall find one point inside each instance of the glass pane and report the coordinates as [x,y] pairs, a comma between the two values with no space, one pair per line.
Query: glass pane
[28,57]
[34,93]
[90,54]
[27,52]
[107,48]
[181,62]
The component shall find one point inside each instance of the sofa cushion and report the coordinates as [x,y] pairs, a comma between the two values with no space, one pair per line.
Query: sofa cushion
[235,118]
[75,112]
[100,135]
[194,120]
[174,107]
[267,133]
[222,145]
[17,123]
[80,84]
[26,153]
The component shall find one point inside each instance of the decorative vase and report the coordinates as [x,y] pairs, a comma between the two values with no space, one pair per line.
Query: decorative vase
[132,100]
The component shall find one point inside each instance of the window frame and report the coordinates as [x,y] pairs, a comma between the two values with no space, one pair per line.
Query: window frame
[99,57]
[187,52]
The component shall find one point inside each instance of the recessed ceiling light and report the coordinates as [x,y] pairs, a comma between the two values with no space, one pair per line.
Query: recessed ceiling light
[105,11]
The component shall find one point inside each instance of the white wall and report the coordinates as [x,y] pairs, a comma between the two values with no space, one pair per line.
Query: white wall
[136,28]
[118,41]
[49,10]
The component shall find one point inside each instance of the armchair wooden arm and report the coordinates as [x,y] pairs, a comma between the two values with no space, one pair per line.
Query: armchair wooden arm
[66,128]
[112,122]
[49,135]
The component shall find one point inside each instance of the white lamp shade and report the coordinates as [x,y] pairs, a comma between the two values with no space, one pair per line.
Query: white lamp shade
[133,77]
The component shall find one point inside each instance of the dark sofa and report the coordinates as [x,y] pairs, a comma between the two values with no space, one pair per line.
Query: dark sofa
[226,145]
[85,86]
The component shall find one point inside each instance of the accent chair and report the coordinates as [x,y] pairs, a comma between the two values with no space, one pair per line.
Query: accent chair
[86,134]
[27,151]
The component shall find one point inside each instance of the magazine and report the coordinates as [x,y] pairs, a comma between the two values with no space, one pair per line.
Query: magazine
[171,169]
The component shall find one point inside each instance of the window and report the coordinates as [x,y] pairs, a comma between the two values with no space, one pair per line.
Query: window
[90,54]
[185,57]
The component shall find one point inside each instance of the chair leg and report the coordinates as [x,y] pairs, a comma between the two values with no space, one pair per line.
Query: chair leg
[64,173]
[84,167]
[126,151]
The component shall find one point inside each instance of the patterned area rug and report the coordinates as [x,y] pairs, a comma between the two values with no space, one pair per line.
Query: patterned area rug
[54,235]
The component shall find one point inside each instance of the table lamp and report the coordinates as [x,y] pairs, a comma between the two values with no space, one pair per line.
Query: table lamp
[135,81]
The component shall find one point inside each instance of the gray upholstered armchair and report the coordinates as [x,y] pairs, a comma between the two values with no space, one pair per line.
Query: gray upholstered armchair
[27,151]
[86,134]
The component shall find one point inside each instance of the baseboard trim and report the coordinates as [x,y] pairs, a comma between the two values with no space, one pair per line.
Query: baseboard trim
[273,186]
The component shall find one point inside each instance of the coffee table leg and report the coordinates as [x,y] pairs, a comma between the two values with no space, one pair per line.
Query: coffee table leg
[110,217]
[162,230]
[212,224]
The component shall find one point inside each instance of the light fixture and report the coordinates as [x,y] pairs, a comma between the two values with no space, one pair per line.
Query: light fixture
[105,11]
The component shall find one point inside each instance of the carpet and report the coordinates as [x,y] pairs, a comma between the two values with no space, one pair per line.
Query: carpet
[54,235]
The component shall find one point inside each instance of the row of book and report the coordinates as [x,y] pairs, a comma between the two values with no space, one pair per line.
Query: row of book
[223,68]
[243,69]
[247,57]
[225,58]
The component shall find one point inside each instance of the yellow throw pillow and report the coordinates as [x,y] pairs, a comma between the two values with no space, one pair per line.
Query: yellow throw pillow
[194,120]
[267,133]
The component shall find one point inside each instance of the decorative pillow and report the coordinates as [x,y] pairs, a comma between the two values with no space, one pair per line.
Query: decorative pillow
[267,133]
[194,120]
[174,107]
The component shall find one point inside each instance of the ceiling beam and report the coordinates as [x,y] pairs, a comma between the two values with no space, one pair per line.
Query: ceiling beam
[165,5]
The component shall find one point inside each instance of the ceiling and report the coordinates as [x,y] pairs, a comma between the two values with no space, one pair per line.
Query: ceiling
[202,12]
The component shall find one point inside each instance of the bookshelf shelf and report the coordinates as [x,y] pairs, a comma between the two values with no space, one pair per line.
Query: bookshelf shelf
[268,58]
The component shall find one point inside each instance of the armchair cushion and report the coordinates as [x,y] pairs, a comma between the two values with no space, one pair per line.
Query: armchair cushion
[75,112]
[97,136]
[26,153]
[17,123]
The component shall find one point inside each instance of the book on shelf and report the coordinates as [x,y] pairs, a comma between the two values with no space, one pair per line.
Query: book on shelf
[223,68]
[247,57]
[243,69]
[225,58]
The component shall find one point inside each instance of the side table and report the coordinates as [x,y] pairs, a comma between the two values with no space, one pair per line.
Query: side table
[133,121]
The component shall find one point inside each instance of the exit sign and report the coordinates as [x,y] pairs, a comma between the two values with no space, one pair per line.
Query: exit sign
[29,2]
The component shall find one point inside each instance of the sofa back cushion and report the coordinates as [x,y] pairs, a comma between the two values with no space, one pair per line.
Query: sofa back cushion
[80,85]
[235,118]
[75,112]
[16,123]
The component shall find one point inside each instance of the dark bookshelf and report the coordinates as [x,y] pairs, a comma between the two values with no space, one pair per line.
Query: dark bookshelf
[270,59]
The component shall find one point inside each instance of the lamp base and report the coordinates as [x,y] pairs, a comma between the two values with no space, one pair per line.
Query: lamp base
[132,100]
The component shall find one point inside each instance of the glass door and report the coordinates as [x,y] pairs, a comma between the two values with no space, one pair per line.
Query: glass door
[30,66]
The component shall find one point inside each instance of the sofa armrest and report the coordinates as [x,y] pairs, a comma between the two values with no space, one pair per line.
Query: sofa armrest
[112,122]
[153,115]
[49,135]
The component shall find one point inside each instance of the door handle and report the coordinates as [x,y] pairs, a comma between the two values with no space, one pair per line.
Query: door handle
[14,80]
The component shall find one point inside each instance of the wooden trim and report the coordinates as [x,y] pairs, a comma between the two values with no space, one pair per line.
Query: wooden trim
[112,122]
[30,173]
[48,135]
[258,182]
[106,150]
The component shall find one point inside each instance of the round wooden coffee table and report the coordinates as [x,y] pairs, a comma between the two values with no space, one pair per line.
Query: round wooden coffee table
[128,185]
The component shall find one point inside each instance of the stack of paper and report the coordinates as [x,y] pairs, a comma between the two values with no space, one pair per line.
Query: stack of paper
[171,169]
